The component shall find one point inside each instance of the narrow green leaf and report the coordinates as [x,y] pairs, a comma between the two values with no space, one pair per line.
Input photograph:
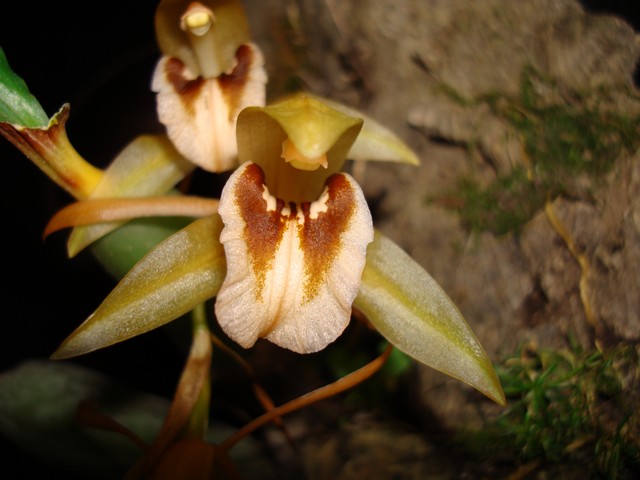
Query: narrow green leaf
[38,403]
[174,277]
[17,105]
[411,310]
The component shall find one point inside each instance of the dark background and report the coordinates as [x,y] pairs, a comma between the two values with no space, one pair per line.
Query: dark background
[100,62]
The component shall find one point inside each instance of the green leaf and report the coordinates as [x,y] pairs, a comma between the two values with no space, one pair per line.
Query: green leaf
[17,105]
[38,403]
[413,312]
[178,274]
[38,406]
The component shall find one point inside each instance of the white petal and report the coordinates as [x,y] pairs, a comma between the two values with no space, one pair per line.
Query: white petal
[200,114]
[293,270]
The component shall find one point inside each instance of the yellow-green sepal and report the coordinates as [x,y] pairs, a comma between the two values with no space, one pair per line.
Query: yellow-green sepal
[178,274]
[408,307]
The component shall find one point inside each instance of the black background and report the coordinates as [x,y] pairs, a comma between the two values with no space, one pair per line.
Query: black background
[100,63]
[97,56]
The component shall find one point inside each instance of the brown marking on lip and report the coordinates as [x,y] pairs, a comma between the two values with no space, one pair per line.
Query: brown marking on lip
[232,84]
[320,237]
[187,90]
[263,230]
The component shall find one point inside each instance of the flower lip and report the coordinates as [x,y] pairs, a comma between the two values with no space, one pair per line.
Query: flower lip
[293,270]
[200,113]
[295,234]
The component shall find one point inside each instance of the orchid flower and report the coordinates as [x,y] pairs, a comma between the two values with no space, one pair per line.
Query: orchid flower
[290,254]
[208,73]
[289,251]
[310,217]
[295,230]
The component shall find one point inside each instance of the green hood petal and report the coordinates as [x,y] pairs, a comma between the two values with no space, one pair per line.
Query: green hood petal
[312,127]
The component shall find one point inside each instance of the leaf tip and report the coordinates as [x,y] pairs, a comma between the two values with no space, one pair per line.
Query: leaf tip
[68,349]
[61,353]
[493,389]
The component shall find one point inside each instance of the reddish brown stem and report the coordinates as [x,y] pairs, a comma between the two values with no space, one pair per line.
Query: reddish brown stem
[339,386]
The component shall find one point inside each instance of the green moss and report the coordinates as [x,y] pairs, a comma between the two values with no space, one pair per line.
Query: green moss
[501,207]
[572,137]
[566,142]
[568,407]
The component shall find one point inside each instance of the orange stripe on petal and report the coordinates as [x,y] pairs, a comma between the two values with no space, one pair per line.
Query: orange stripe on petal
[292,270]
[101,210]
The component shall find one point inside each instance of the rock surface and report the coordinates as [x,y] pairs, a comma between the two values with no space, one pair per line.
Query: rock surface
[426,69]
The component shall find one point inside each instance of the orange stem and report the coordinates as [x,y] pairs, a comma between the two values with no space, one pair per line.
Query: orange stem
[101,210]
[260,393]
[339,386]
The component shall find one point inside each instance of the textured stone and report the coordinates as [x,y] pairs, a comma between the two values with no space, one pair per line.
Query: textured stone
[424,68]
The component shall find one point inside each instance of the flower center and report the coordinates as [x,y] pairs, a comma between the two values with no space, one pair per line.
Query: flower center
[198,21]
[293,156]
